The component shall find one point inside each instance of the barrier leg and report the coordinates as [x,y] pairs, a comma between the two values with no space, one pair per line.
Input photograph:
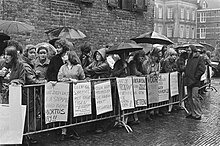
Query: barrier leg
[122,121]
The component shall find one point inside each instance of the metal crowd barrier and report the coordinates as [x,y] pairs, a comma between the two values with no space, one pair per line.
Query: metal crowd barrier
[35,121]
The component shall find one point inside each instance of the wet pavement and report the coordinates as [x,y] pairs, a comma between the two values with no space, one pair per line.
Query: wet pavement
[171,130]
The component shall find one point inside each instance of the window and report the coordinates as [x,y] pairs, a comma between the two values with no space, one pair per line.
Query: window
[187,32]
[187,15]
[193,15]
[160,29]
[181,31]
[160,12]
[193,33]
[182,13]
[202,33]
[125,4]
[155,11]
[204,5]
[202,17]
[169,13]
[169,31]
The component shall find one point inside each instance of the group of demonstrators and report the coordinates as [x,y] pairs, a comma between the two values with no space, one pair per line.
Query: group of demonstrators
[34,64]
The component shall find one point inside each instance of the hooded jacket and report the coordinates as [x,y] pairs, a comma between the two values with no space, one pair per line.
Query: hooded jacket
[98,69]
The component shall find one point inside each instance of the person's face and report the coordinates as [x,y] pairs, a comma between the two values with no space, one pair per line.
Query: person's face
[141,59]
[98,56]
[42,54]
[154,58]
[32,54]
[59,49]
[174,56]
[65,57]
[7,58]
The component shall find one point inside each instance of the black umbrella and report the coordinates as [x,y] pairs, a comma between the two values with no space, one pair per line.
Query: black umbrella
[207,46]
[152,38]
[124,47]
[4,36]
[184,46]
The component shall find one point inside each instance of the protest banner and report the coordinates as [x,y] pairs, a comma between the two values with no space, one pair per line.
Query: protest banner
[174,90]
[140,95]
[56,102]
[12,119]
[163,87]
[125,92]
[82,104]
[103,97]
[152,89]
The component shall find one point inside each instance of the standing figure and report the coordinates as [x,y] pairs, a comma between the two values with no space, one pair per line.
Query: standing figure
[195,67]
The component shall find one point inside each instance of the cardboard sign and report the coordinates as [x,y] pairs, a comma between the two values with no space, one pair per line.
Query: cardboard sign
[174,90]
[103,97]
[12,119]
[163,87]
[152,89]
[140,93]
[82,104]
[125,92]
[56,102]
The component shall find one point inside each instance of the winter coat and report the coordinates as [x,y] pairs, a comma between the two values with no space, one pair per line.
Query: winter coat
[53,68]
[169,65]
[85,60]
[150,67]
[41,69]
[30,74]
[135,68]
[98,69]
[75,72]
[120,69]
[195,68]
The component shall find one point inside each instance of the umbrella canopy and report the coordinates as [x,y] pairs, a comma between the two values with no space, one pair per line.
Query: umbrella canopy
[184,46]
[15,26]
[152,38]
[124,47]
[4,36]
[207,46]
[66,32]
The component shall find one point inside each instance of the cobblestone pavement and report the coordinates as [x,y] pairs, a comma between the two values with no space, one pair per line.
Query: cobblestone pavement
[171,130]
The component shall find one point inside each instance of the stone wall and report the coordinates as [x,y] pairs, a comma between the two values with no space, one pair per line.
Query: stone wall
[100,23]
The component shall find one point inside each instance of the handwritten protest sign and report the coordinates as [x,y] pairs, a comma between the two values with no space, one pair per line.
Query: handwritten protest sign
[140,95]
[12,124]
[174,83]
[163,87]
[125,91]
[152,88]
[103,97]
[56,102]
[82,99]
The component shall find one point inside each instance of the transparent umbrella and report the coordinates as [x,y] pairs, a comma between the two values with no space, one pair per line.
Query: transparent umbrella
[15,26]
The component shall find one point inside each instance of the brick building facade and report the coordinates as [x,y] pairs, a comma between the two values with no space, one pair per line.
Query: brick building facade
[103,21]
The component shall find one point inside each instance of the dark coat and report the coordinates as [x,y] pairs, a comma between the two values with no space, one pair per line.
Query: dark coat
[195,68]
[99,69]
[135,68]
[120,69]
[53,68]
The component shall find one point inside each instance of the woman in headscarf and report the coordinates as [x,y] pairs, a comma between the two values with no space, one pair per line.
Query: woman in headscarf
[99,68]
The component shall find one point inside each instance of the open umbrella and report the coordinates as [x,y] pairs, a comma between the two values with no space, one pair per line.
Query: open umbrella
[4,36]
[15,26]
[184,46]
[124,47]
[207,46]
[66,32]
[152,38]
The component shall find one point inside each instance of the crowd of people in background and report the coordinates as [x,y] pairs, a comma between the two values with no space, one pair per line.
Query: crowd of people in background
[35,64]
